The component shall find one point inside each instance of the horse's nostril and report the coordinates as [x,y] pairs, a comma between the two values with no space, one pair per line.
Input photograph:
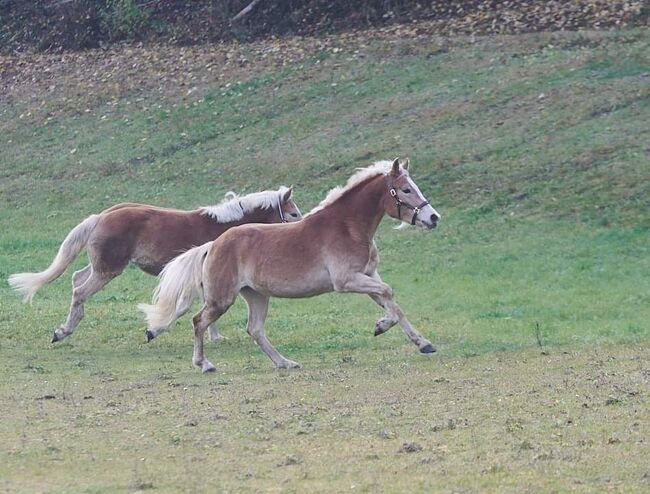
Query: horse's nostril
[434,218]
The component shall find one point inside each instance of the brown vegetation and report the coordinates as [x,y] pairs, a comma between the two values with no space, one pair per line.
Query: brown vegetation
[79,24]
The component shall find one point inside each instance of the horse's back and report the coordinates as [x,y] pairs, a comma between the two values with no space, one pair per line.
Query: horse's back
[139,207]
[123,205]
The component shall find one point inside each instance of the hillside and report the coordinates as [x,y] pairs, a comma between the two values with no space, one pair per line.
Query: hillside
[547,124]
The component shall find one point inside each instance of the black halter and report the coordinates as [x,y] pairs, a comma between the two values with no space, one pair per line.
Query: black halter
[399,203]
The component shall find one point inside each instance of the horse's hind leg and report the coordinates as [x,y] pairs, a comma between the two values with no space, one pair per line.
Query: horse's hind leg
[206,316]
[213,331]
[81,291]
[258,306]
[80,277]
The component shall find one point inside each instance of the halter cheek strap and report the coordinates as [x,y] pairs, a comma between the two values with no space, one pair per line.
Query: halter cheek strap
[399,203]
[282,218]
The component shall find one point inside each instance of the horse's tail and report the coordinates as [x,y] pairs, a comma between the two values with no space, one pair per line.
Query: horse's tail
[179,285]
[28,284]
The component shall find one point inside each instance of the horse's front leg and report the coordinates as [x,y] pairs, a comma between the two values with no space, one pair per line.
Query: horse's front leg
[390,318]
[388,321]
[382,294]
[215,335]
[413,334]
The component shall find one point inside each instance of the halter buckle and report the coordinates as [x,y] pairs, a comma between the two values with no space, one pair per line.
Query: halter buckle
[416,211]
[392,192]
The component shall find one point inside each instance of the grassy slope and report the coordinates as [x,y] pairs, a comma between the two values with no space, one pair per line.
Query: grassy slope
[535,151]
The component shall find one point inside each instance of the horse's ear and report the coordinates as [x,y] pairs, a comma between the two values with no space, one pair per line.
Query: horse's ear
[395,170]
[406,164]
[287,194]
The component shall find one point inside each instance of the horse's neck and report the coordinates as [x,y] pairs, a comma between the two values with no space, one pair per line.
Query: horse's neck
[362,209]
[257,215]
[212,228]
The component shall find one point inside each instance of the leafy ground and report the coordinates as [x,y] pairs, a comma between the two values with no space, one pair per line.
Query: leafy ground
[535,288]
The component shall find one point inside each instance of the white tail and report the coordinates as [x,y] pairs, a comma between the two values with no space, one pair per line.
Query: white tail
[179,285]
[27,284]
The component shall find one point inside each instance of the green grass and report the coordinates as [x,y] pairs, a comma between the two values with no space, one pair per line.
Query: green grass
[533,148]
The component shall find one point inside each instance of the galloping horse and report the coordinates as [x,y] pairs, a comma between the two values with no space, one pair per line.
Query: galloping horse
[331,249]
[149,237]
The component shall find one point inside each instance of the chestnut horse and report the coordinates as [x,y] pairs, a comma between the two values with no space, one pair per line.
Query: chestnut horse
[331,249]
[149,237]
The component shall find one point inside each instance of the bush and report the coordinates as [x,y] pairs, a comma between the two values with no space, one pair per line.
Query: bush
[78,24]
[123,19]
[45,26]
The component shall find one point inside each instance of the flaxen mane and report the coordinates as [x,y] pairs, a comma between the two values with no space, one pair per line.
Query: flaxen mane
[362,174]
[234,207]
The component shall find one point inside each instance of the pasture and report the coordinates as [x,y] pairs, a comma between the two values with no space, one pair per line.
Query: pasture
[535,287]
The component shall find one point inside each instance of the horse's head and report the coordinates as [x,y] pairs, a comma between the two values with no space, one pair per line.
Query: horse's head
[287,210]
[405,201]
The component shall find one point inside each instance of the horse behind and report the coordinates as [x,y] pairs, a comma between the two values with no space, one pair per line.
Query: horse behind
[149,237]
[331,249]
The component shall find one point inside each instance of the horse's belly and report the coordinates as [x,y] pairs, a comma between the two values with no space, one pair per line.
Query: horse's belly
[286,286]
[148,264]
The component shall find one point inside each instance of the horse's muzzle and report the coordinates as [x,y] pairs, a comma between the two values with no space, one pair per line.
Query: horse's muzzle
[432,222]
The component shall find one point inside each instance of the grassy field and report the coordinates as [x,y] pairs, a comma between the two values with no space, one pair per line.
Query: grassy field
[535,288]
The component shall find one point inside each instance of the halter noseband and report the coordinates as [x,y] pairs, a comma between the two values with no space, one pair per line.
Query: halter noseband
[399,203]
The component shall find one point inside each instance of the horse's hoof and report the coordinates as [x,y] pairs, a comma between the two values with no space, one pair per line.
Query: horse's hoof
[380,330]
[384,325]
[150,336]
[289,364]
[55,338]
[208,368]
[428,348]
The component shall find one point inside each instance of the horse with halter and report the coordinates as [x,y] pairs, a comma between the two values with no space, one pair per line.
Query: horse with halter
[331,249]
[149,237]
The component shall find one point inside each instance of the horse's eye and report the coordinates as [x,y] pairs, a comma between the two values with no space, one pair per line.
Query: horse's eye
[406,191]
[295,215]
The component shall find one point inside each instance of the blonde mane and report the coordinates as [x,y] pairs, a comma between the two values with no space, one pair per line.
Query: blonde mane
[234,207]
[361,175]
